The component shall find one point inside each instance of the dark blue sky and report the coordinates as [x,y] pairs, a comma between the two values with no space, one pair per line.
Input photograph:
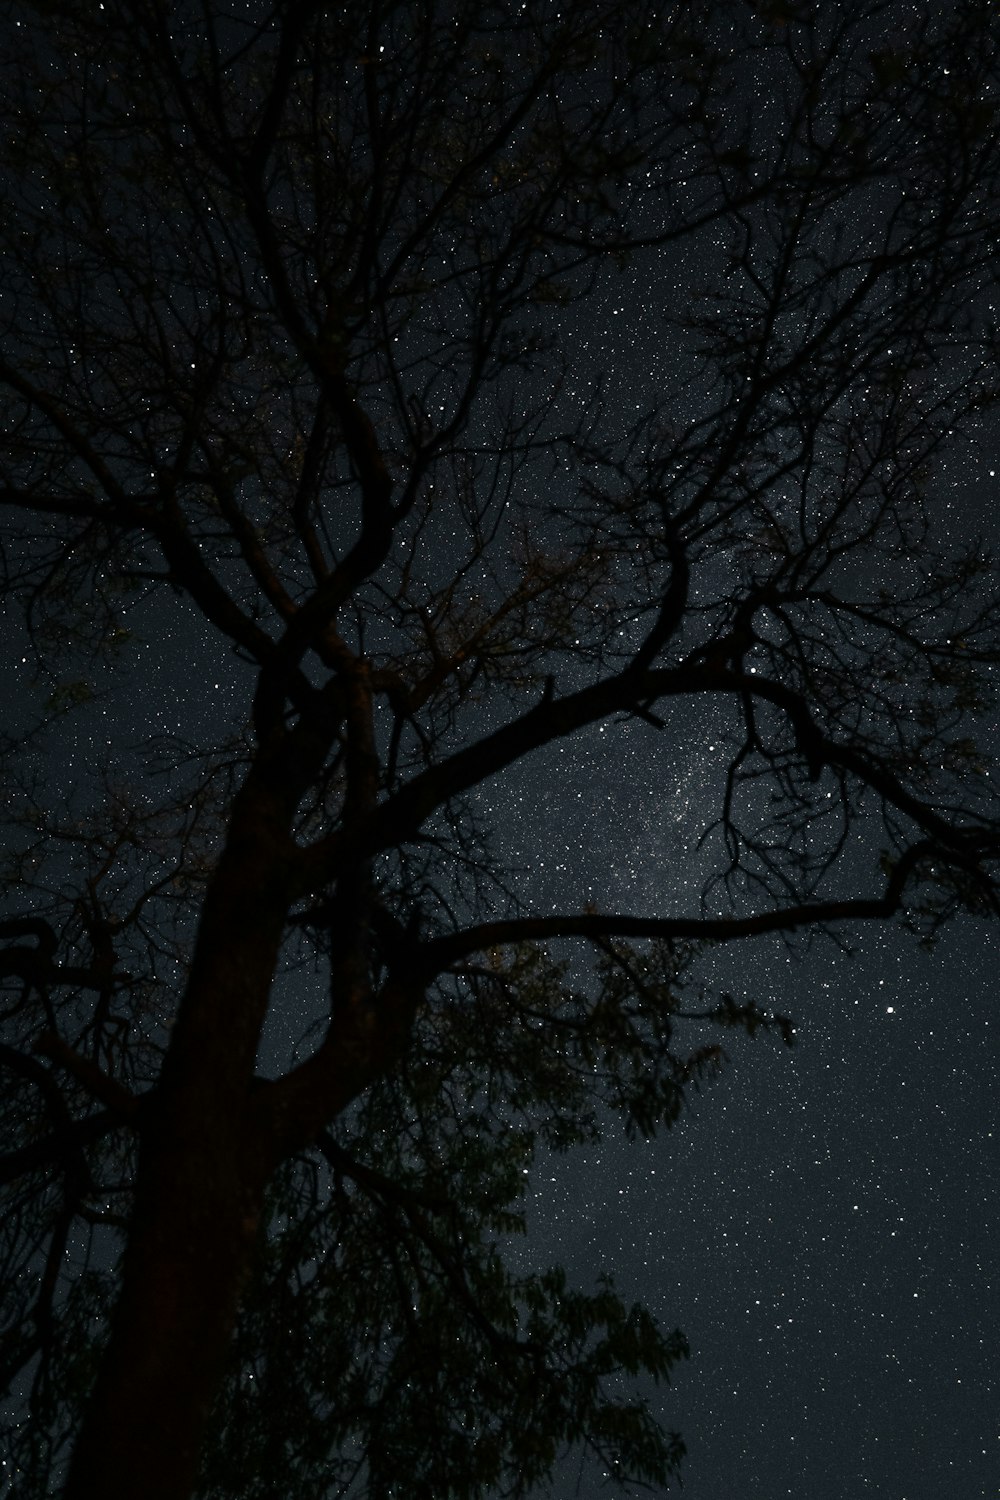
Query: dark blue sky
[822,1223]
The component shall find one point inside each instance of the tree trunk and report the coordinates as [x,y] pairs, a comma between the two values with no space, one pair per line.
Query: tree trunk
[201,1179]
[188,1253]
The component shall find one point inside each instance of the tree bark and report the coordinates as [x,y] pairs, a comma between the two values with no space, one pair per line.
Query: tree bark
[189,1251]
[200,1185]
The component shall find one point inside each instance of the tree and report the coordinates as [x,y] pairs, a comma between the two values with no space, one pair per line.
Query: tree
[291,305]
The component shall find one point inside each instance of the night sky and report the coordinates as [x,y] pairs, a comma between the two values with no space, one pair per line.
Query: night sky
[822,1222]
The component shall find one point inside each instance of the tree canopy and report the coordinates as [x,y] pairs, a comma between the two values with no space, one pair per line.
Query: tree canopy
[297,394]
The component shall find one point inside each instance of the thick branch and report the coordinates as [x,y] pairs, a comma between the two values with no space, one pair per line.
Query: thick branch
[402,814]
[63,1147]
[432,958]
[105,1090]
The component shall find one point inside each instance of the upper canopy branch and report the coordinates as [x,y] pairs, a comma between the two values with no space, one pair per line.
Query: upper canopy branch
[402,814]
[434,957]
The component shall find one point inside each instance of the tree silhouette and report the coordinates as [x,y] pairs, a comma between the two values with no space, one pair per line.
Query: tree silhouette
[293,300]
